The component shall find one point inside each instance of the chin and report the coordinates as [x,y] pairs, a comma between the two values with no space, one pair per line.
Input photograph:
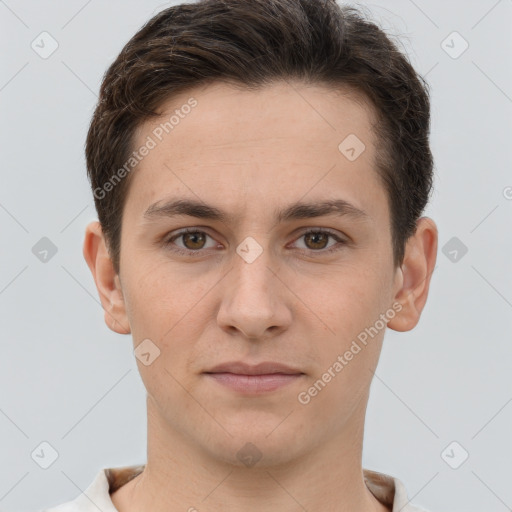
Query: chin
[256,445]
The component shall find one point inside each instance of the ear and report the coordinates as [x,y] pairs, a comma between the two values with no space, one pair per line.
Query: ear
[107,281]
[413,276]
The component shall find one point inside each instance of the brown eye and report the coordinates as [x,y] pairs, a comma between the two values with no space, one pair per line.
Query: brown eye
[194,240]
[320,241]
[316,239]
[190,242]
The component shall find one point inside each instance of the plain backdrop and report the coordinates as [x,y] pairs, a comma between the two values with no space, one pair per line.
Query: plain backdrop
[440,392]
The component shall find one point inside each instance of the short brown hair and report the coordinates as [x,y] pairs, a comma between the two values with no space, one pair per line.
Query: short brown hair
[253,43]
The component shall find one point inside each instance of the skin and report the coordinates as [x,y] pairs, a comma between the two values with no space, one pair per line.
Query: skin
[250,153]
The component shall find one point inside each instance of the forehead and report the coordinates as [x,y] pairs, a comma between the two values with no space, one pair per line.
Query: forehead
[230,113]
[281,139]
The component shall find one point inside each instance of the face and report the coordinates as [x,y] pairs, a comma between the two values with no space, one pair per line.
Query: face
[258,278]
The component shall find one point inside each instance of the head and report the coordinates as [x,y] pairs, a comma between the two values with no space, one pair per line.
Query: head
[291,138]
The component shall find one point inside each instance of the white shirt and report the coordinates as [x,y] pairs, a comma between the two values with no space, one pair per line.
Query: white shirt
[387,489]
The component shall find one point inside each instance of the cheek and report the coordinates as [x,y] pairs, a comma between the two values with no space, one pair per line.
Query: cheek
[346,300]
[350,305]
[346,359]
[160,296]
[168,311]
[172,309]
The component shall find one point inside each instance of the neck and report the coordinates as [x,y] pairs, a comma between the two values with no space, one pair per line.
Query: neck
[180,476]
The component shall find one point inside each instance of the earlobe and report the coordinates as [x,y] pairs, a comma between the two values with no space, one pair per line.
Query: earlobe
[416,272]
[107,281]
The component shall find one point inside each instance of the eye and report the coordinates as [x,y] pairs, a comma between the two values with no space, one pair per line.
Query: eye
[193,241]
[316,240]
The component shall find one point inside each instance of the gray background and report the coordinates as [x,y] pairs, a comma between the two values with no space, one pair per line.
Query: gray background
[68,380]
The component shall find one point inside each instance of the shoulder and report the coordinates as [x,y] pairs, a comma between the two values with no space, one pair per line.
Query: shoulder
[390,491]
[95,496]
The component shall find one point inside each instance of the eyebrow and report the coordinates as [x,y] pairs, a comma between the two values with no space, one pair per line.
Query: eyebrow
[299,210]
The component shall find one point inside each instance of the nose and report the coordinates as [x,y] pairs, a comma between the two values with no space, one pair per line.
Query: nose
[253,300]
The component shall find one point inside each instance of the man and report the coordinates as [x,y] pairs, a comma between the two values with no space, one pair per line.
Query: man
[259,170]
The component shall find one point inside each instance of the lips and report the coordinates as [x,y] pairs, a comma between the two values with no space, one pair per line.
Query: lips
[265,368]
[253,379]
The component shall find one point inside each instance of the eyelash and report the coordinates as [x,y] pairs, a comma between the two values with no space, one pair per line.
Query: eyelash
[199,252]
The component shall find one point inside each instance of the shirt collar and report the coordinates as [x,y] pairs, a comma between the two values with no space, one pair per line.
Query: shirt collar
[388,490]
